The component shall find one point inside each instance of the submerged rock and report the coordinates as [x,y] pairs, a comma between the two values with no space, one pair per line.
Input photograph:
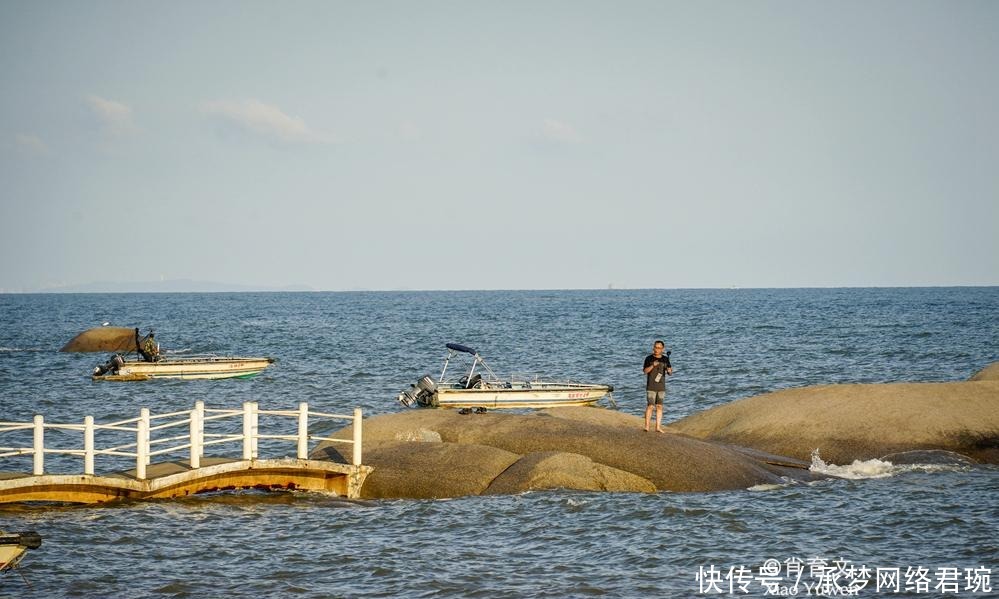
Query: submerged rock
[860,422]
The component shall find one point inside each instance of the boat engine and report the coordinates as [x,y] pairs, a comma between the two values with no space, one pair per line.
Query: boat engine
[29,539]
[111,366]
[420,393]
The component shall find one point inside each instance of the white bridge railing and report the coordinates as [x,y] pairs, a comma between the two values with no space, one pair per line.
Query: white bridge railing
[194,438]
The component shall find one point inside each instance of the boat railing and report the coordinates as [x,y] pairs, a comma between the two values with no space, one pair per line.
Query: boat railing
[152,435]
[205,357]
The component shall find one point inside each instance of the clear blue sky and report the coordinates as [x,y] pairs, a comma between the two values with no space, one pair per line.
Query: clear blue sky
[499,145]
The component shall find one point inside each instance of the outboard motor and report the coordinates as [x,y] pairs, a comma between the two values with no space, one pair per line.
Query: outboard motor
[427,384]
[420,393]
[111,366]
[408,396]
[29,539]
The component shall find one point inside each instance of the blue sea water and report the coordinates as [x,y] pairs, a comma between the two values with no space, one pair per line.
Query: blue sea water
[338,351]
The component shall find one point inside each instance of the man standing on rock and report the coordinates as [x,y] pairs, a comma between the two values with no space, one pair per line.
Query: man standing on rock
[656,369]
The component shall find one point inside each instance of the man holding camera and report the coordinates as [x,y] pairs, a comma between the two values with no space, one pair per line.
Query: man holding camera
[657,368]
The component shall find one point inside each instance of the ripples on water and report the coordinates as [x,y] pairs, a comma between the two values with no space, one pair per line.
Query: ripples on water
[538,544]
[341,350]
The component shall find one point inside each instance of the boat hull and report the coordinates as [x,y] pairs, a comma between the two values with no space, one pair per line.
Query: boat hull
[188,369]
[532,395]
[14,545]
[10,555]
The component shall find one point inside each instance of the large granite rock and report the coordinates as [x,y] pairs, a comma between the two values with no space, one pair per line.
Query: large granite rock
[860,422]
[428,470]
[556,470]
[581,448]
[989,373]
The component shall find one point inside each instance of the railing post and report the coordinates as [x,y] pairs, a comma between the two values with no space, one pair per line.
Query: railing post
[88,445]
[39,446]
[357,437]
[303,430]
[247,430]
[256,428]
[200,407]
[195,438]
[142,444]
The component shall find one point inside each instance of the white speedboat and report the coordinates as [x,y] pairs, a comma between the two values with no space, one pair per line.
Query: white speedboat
[473,391]
[13,545]
[194,367]
[150,363]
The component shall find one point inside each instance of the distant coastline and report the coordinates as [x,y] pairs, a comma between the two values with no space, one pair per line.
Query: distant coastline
[192,286]
[169,286]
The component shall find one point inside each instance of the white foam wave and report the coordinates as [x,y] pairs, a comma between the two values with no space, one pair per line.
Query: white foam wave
[859,469]
[876,468]
[766,487]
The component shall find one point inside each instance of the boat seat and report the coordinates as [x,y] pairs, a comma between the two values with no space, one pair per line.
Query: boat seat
[474,382]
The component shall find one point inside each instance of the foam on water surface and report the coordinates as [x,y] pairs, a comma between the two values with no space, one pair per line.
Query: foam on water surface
[884,468]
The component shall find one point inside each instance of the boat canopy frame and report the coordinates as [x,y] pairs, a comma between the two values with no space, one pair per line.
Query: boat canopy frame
[453,349]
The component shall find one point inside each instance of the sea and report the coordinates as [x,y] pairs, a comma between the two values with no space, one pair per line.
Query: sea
[916,529]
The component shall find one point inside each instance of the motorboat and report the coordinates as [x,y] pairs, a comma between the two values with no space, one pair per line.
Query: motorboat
[150,363]
[193,367]
[474,391]
[13,546]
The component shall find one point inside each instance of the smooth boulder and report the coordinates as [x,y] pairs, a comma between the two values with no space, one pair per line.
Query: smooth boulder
[860,421]
[989,373]
[559,470]
[403,448]
[427,470]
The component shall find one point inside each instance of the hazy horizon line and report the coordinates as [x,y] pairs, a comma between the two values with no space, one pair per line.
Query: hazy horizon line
[306,289]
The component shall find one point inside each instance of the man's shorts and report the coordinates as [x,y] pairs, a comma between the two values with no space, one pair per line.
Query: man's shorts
[655,398]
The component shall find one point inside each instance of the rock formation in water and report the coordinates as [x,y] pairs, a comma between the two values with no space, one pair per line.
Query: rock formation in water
[989,373]
[441,453]
[860,422]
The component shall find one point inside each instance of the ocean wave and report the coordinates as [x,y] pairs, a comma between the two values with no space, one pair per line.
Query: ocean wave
[922,461]
[22,349]
[768,486]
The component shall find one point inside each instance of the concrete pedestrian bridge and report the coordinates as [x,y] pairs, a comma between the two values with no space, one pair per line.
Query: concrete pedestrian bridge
[181,477]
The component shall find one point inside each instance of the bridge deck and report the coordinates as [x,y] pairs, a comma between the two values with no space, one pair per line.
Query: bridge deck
[178,479]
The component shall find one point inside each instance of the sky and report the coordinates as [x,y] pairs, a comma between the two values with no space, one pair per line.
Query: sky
[499,145]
